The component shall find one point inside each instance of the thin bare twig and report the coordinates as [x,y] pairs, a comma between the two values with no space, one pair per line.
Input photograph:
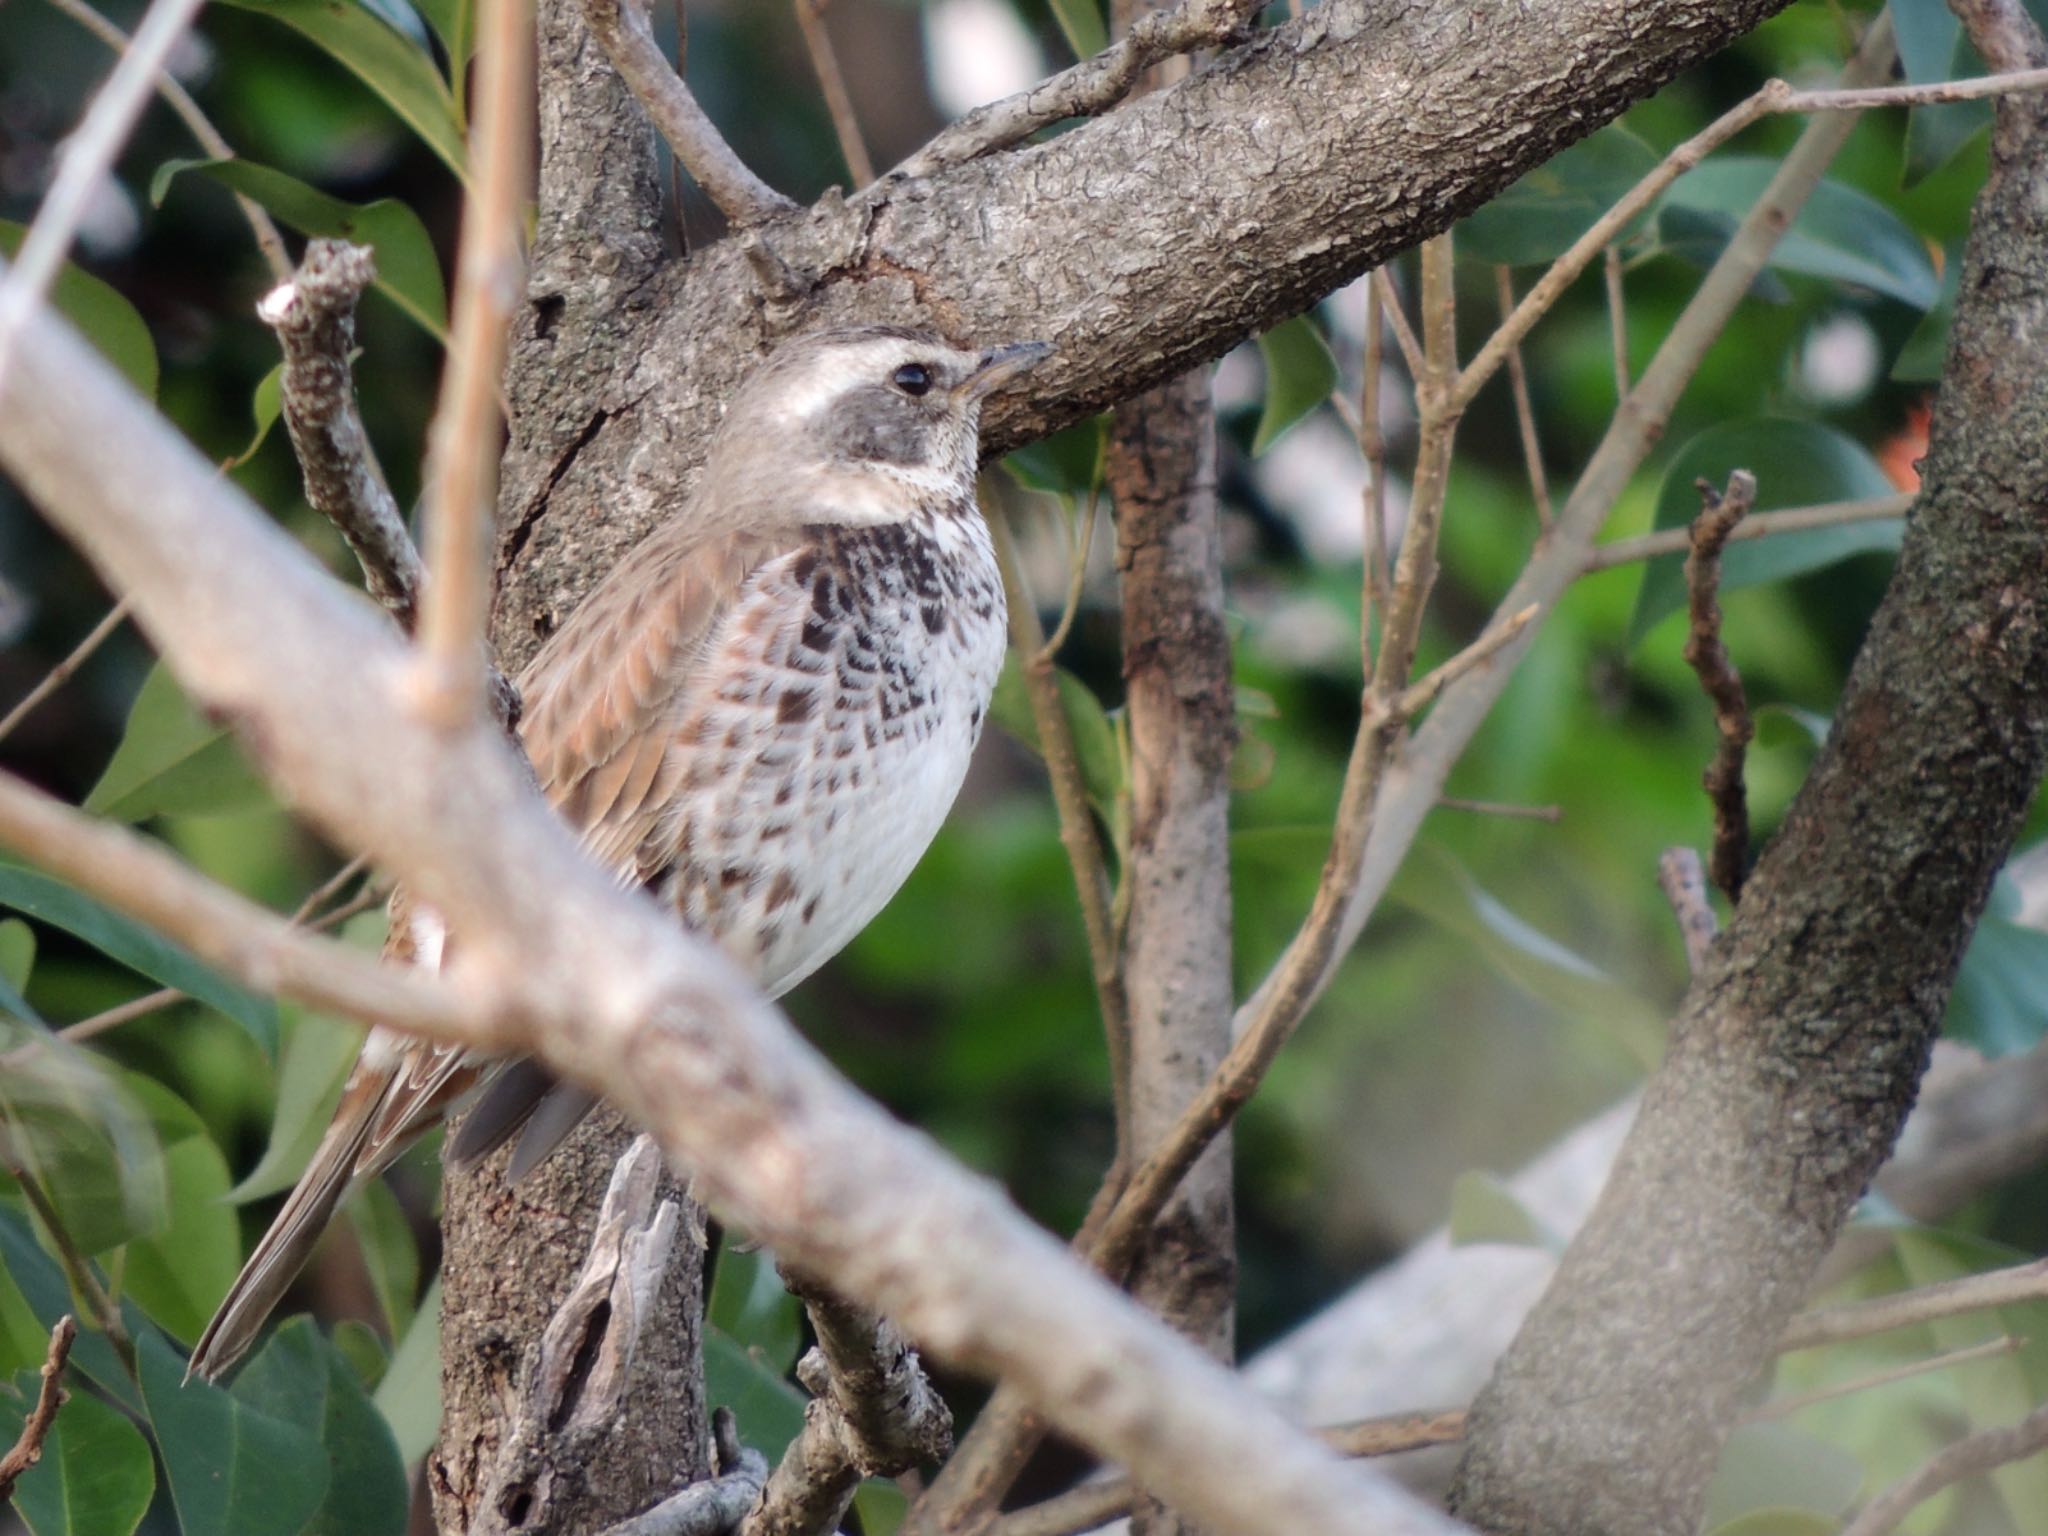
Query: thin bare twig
[873,1413]
[1419,695]
[1617,318]
[1397,321]
[1758,525]
[454,673]
[314,315]
[84,162]
[77,1267]
[627,35]
[1077,821]
[62,673]
[1947,1298]
[1525,409]
[1549,813]
[1077,575]
[1982,1452]
[27,1449]
[1106,1499]
[121,1013]
[1372,447]
[1708,657]
[810,20]
[1092,86]
[268,240]
[1683,880]
[1785,1407]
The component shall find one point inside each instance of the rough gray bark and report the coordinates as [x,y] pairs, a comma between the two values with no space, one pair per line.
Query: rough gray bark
[511,1253]
[1799,1047]
[1182,712]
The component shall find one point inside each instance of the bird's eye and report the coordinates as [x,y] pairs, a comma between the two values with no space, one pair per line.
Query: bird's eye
[913,379]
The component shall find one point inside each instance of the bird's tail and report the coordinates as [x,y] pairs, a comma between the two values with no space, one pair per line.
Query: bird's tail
[283,1251]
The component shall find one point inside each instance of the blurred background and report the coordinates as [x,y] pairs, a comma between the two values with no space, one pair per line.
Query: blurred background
[1518,980]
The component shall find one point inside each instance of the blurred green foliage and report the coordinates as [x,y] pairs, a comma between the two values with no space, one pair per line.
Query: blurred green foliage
[1516,980]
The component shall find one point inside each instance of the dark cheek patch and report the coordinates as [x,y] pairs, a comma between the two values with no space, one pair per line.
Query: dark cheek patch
[879,425]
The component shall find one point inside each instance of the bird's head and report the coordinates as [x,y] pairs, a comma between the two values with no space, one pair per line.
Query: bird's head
[864,424]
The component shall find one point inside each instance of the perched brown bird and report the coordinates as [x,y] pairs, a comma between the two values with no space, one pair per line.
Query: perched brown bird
[761,717]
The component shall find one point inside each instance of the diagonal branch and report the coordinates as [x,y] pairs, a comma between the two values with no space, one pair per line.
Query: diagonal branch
[1708,657]
[627,33]
[27,1449]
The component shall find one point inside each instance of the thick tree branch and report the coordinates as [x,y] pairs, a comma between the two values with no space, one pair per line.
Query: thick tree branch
[608,991]
[1800,1044]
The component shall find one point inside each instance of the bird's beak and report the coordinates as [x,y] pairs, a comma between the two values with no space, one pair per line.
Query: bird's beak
[998,365]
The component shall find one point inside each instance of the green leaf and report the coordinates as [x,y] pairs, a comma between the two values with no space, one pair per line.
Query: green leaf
[1796,463]
[389,1253]
[87,1144]
[769,1409]
[173,761]
[2000,1001]
[314,1064]
[1538,218]
[454,22]
[179,1273]
[1699,236]
[392,65]
[102,316]
[300,1380]
[1920,360]
[358,1343]
[408,271]
[232,1468]
[409,1395]
[37,895]
[1777,1521]
[42,1287]
[882,1506]
[1485,1210]
[1782,1471]
[266,404]
[1069,463]
[1841,234]
[1095,750]
[1932,50]
[17,963]
[96,1477]
[749,1305]
[1082,26]
[1300,373]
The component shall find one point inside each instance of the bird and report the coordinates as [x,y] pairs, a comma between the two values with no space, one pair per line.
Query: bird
[760,718]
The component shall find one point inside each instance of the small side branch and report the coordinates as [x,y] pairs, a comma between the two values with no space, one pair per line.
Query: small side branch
[28,1445]
[710,1508]
[1683,880]
[314,315]
[1093,86]
[1708,657]
[810,20]
[873,1413]
[1949,1298]
[1976,1453]
[627,35]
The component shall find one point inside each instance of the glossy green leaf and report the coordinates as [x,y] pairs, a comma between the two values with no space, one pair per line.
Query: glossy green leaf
[1841,234]
[311,1068]
[96,1477]
[233,1469]
[408,271]
[1779,1470]
[1069,463]
[102,316]
[390,1255]
[769,1409]
[40,1284]
[454,23]
[1095,749]
[1920,360]
[409,1395]
[1300,373]
[1082,25]
[1700,235]
[179,1273]
[1538,218]
[300,1380]
[2000,1001]
[392,65]
[881,1506]
[1932,49]
[1796,464]
[266,404]
[173,761]
[1485,1210]
[749,1305]
[37,895]
[359,1344]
